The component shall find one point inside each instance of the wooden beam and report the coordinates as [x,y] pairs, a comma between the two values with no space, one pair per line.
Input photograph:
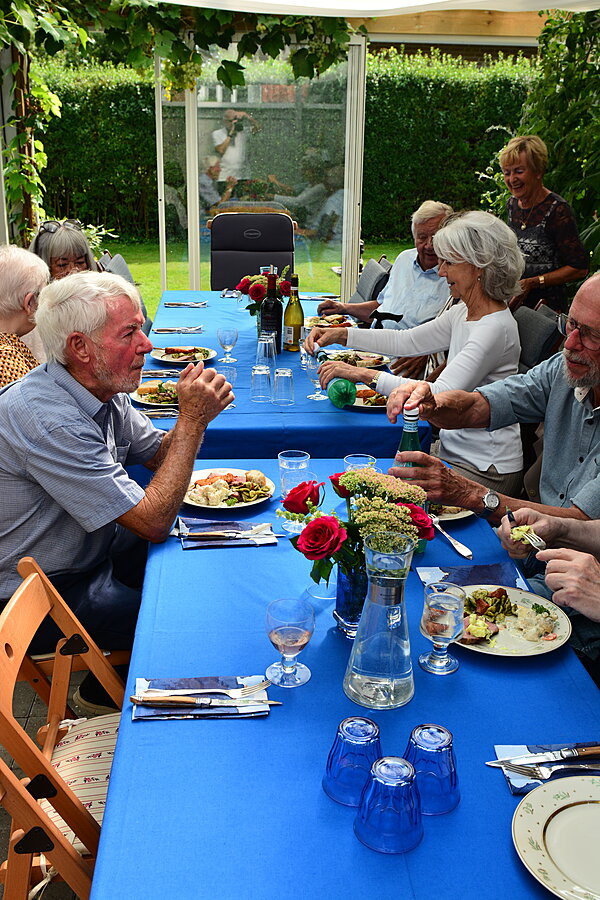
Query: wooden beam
[490,23]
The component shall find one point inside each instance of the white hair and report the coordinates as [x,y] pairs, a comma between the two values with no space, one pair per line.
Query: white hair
[80,302]
[21,273]
[429,209]
[486,242]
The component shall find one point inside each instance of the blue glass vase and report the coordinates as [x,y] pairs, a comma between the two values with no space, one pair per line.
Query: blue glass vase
[350,599]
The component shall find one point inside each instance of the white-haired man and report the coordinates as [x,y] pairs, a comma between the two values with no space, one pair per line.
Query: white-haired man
[22,277]
[414,293]
[68,429]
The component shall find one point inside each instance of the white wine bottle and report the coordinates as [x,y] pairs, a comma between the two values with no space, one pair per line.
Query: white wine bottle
[293,319]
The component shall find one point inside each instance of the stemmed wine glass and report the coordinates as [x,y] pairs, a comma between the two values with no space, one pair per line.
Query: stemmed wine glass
[289,624]
[312,366]
[227,339]
[442,623]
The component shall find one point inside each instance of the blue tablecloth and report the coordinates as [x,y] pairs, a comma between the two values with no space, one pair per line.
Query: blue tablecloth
[253,430]
[223,810]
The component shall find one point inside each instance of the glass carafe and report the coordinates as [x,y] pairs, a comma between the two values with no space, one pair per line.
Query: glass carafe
[379,673]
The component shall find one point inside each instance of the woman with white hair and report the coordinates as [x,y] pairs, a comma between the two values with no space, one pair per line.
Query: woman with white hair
[22,276]
[482,264]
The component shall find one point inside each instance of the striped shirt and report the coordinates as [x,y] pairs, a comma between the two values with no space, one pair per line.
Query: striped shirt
[62,476]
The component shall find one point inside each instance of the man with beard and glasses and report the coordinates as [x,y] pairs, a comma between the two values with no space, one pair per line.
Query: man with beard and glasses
[67,430]
[563,391]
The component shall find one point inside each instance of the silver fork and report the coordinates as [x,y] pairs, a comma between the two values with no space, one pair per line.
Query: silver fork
[233,693]
[543,773]
[535,540]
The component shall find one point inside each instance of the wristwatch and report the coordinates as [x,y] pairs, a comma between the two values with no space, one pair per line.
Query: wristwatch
[374,380]
[542,280]
[491,502]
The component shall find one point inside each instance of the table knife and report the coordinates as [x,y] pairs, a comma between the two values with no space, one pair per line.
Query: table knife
[579,751]
[206,702]
[460,548]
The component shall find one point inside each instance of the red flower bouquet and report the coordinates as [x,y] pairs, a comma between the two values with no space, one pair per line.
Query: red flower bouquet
[255,287]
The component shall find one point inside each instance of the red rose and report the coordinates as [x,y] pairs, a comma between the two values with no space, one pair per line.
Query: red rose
[321,537]
[285,287]
[257,292]
[421,520]
[296,500]
[244,285]
[340,490]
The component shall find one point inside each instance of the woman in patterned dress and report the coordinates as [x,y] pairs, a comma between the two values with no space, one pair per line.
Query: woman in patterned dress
[22,276]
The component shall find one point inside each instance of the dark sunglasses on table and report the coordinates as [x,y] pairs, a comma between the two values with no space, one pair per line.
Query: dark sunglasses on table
[589,337]
[53,225]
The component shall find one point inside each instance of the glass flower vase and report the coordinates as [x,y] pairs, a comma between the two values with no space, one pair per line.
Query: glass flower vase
[379,673]
[350,599]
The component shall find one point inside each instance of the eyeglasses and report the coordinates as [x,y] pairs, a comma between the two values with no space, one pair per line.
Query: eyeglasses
[53,225]
[589,337]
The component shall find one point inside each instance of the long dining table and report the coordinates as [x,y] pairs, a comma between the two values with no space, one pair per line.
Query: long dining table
[225,809]
[263,429]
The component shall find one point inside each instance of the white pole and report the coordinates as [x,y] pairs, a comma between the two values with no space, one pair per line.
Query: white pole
[160,175]
[355,139]
[193,197]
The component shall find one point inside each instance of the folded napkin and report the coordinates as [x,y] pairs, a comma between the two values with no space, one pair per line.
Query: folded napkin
[522,784]
[503,573]
[181,329]
[198,305]
[181,685]
[184,524]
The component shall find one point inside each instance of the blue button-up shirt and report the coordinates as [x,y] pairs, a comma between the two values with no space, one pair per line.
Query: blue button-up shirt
[416,294]
[62,476]
[570,473]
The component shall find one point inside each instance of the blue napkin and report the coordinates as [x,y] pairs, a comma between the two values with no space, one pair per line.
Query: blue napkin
[504,573]
[522,784]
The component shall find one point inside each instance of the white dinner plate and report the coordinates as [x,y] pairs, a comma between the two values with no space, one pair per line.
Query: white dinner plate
[161,356]
[507,642]
[367,360]
[204,473]
[359,403]
[141,399]
[555,831]
[318,322]
[452,517]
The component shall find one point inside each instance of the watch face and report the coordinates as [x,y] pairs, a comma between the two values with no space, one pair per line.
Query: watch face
[491,500]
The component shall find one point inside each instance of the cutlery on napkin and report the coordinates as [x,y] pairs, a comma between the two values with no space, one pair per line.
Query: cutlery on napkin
[181,329]
[200,533]
[522,784]
[207,702]
[573,751]
[219,707]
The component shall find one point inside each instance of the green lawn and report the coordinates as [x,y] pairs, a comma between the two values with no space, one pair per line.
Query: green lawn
[142,258]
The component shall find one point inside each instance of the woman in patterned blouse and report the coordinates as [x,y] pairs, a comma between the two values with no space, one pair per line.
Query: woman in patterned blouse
[22,276]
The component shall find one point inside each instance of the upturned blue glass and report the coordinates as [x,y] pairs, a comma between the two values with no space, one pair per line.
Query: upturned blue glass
[355,749]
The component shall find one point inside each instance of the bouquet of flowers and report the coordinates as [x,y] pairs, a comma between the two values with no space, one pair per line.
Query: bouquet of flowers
[374,503]
[256,288]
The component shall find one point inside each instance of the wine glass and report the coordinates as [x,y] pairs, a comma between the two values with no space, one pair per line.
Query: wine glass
[312,366]
[227,338]
[289,624]
[442,623]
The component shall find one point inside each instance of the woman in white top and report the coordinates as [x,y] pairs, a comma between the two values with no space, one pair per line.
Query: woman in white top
[482,264]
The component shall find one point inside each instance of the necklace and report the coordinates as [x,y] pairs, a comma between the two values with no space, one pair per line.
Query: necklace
[525,222]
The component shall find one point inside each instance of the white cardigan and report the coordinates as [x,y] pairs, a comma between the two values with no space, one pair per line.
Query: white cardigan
[479,353]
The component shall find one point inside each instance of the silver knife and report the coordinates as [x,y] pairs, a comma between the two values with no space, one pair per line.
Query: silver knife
[578,751]
[206,702]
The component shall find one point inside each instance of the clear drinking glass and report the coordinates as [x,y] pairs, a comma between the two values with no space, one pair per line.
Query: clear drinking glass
[290,479]
[289,624]
[230,373]
[265,350]
[312,367]
[283,387]
[355,749]
[291,459]
[303,355]
[227,338]
[260,388]
[358,461]
[442,623]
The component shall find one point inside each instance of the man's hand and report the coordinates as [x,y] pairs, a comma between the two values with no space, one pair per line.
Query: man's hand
[203,393]
[332,369]
[440,482]
[331,308]
[409,366]
[321,337]
[574,579]
[411,394]
[549,528]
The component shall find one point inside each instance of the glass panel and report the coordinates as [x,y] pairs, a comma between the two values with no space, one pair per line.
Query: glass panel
[176,217]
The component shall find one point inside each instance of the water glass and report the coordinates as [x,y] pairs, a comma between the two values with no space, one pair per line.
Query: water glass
[230,373]
[303,355]
[389,816]
[355,749]
[290,479]
[442,622]
[260,388]
[431,754]
[291,459]
[265,351]
[283,387]
[358,461]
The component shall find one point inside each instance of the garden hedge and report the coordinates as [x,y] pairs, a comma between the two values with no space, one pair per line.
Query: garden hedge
[428,121]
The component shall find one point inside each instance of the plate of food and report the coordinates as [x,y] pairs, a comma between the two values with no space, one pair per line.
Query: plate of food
[358,358]
[505,621]
[224,488]
[181,356]
[156,393]
[449,513]
[333,321]
[367,398]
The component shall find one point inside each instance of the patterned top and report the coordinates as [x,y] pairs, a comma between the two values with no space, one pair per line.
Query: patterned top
[15,358]
[548,238]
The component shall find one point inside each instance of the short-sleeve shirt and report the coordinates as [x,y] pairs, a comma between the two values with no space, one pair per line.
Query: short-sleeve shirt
[570,473]
[16,359]
[62,476]
[234,162]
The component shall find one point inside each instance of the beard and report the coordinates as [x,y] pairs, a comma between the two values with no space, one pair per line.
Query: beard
[591,379]
[107,379]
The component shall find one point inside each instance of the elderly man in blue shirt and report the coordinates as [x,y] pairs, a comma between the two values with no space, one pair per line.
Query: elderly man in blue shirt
[414,293]
[68,429]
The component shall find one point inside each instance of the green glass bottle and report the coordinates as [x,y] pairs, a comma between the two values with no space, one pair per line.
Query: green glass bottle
[410,434]
[340,391]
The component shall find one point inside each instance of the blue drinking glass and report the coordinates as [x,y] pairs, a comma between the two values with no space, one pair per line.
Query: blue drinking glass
[431,753]
[355,749]
[389,816]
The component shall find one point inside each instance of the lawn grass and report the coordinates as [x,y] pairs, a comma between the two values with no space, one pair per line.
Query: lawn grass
[142,259]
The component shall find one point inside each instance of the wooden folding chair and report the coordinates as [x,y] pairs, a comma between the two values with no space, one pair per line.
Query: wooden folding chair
[57,810]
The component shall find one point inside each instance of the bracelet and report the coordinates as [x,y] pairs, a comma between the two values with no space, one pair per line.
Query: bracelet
[374,380]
